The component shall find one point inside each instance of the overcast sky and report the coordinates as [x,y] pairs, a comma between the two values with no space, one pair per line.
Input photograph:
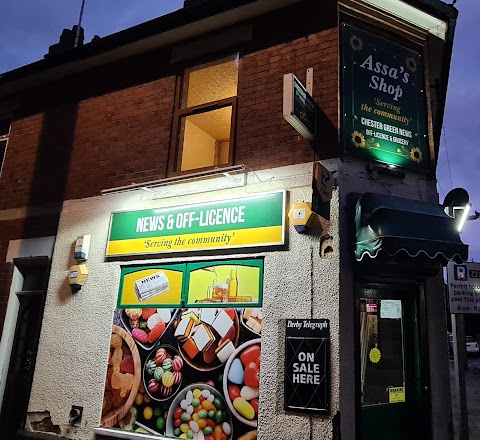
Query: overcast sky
[29,27]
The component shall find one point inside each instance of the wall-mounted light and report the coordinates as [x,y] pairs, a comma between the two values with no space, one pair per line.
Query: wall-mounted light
[388,170]
[150,186]
[463,216]
[457,205]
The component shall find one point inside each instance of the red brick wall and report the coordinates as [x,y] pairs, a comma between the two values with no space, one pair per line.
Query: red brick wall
[122,137]
[264,138]
[112,126]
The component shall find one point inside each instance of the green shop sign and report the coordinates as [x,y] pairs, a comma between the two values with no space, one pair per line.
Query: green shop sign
[384,116]
[242,222]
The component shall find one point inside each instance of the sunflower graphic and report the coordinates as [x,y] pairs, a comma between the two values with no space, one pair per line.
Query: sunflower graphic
[356,43]
[411,64]
[358,139]
[416,154]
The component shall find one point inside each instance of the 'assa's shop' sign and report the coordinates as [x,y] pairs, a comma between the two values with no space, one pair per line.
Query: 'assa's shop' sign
[307,371]
[384,104]
[224,224]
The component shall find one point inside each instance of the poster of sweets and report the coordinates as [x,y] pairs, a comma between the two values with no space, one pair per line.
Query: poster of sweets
[190,371]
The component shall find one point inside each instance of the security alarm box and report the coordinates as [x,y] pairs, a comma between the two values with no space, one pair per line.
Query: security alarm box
[82,246]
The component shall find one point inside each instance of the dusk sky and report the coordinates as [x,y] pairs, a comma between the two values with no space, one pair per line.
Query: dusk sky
[28,28]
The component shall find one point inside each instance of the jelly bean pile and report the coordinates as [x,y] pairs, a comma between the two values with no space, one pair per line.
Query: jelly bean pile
[201,416]
[243,382]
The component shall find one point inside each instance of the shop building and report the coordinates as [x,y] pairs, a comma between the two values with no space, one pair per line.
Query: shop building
[157,239]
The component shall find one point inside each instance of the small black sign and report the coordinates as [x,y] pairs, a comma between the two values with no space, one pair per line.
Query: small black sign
[307,365]
[299,108]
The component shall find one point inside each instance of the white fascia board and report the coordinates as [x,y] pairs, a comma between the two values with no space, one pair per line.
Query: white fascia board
[411,15]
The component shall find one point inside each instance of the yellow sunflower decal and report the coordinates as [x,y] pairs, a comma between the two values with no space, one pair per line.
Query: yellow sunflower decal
[356,43]
[416,154]
[411,64]
[358,139]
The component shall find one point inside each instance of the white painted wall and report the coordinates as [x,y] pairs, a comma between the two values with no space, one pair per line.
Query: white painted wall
[75,337]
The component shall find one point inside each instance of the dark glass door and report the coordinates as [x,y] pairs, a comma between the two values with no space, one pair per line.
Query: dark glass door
[392,404]
[18,386]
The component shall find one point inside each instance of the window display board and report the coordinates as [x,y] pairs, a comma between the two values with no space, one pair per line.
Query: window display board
[184,356]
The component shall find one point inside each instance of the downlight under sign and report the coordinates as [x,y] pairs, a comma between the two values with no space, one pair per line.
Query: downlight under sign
[225,224]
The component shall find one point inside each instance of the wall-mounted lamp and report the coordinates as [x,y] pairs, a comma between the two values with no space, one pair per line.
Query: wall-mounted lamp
[150,186]
[457,205]
[388,170]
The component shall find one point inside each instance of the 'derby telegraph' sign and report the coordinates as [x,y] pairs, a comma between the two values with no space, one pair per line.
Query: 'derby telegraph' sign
[307,365]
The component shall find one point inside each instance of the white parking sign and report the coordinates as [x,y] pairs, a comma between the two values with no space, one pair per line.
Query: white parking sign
[464,287]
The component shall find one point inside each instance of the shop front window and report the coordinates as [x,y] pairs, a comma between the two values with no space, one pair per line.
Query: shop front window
[205,119]
[382,351]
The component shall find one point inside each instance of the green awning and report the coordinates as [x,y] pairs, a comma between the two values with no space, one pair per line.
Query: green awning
[395,226]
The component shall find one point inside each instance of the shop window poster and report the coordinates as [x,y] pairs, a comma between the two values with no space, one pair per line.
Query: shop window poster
[188,371]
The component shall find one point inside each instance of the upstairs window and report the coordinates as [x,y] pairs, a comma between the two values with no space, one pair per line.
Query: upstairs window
[4,133]
[205,116]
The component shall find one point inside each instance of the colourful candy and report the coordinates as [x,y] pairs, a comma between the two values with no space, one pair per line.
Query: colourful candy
[251,354]
[158,373]
[133,313]
[244,408]
[140,335]
[167,378]
[150,366]
[152,386]
[204,419]
[236,373]
[252,375]
[249,393]
[177,363]
[156,332]
[160,356]
[165,391]
[177,377]
[167,364]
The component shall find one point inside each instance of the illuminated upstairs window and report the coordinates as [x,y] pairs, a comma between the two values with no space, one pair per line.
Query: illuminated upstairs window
[205,116]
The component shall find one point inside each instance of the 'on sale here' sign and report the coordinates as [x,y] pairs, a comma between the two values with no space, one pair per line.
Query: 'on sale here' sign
[307,371]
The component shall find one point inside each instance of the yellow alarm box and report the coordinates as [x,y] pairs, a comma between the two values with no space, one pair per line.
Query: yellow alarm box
[77,277]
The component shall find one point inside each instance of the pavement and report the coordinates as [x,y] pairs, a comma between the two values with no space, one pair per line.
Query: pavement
[472,385]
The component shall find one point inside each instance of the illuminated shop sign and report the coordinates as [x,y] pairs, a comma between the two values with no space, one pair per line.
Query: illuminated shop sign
[242,222]
[384,116]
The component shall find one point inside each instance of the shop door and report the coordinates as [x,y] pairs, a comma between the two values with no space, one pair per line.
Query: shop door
[25,344]
[392,401]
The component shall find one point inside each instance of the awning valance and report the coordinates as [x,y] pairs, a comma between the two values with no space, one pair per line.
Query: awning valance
[395,226]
